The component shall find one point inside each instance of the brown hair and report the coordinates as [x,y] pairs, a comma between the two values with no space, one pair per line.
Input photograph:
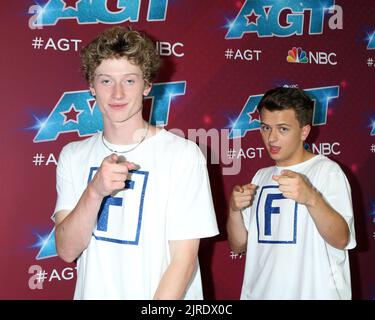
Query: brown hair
[121,42]
[282,98]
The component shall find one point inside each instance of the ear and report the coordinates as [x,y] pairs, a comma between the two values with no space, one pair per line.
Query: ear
[147,89]
[305,132]
[92,91]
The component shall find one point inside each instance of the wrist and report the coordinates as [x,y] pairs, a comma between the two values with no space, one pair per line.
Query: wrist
[93,194]
[313,199]
[234,211]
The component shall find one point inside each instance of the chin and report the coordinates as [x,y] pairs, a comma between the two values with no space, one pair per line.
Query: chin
[278,160]
[273,156]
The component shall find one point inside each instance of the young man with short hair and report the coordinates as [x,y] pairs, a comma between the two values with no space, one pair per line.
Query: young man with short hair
[295,219]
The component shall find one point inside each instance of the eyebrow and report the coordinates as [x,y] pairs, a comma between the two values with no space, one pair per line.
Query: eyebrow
[108,75]
[277,125]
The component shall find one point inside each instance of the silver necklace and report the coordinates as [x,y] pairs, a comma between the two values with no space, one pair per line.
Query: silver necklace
[126,151]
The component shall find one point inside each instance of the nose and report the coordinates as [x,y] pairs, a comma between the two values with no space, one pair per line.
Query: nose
[118,91]
[272,136]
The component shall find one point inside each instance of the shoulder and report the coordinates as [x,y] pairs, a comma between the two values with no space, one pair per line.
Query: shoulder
[181,147]
[176,140]
[324,172]
[324,164]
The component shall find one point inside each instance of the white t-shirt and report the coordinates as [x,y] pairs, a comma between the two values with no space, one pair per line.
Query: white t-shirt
[167,198]
[286,256]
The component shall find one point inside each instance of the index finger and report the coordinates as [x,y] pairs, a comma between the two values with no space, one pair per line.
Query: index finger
[249,186]
[238,188]
[120,159]
[112,158]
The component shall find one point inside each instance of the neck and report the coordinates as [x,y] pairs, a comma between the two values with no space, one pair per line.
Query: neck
[129,132]
[303,156]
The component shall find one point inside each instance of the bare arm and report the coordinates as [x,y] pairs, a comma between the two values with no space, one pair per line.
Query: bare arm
[330,224]
[74,229]
[242,197]
[176,278]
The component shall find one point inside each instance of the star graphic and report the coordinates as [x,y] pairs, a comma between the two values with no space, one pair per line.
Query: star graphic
[252,18]
[70,4]
[253,116]
[71,114]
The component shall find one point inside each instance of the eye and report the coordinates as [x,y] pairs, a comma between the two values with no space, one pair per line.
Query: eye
[105,82]
[129,81]
[264,127]
[284,129]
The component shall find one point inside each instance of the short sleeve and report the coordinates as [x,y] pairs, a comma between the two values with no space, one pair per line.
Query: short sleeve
[64,183]
[337,192]
[191,212]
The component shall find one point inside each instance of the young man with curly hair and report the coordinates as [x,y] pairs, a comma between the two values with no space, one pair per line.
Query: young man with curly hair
[134,200]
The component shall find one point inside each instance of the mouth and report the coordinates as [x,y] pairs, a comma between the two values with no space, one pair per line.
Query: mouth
[117,105]
[274,149]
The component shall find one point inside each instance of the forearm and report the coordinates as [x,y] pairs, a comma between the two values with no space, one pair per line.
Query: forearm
[74,232]
[177,276]
[330,224]
[175,280]
[237,233]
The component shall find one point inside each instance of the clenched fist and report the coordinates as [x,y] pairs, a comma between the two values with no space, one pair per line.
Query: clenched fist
[242,196]
[295,186]
[111,175]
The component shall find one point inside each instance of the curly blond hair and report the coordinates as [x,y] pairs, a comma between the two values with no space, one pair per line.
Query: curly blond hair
[121,42]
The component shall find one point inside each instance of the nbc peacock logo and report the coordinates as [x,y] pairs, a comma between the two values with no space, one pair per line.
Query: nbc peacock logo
[297,55]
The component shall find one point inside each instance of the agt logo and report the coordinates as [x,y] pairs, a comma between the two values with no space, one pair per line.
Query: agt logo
[371,42]
[297,55]
[247,121]
[77,111]
[94,11]
[266,18]
[372,126]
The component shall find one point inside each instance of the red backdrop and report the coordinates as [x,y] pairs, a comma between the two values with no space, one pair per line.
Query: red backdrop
[219,58]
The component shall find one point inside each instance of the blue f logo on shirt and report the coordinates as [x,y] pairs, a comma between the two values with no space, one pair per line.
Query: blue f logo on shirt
[120,216]
[276,217]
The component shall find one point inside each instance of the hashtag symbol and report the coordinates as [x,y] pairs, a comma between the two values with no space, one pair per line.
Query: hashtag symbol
[38,159]
[37,42]
[233,255]
[372,148]
[370,62]
[229,54]
[41,276]
[231,153]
